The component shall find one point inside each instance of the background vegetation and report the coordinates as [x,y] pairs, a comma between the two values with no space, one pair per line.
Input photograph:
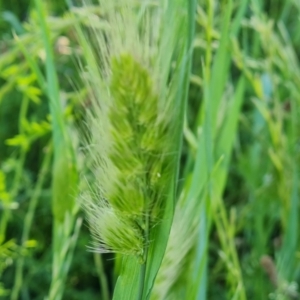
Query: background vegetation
[237,210]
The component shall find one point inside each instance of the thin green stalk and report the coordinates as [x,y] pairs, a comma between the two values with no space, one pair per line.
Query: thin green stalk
[201,277]
[215,81]
[28,222]
[144,265]
[102,276]
[64,180]
[64,240]
[209,29]
[224,228]
[142,281]
[227,242]
[52,81]
[64,172]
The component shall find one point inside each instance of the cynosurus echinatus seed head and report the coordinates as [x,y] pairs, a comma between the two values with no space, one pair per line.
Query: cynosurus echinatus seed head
[134,121]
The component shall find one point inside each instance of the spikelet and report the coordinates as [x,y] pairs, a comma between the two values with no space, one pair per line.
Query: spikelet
[131,127]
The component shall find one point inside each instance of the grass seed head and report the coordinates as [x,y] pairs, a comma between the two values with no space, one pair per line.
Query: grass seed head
[130,129]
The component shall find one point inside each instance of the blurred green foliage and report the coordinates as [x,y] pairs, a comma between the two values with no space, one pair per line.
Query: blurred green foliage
[261,196]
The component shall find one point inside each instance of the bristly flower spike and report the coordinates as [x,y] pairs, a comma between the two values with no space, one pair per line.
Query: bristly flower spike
[132,124]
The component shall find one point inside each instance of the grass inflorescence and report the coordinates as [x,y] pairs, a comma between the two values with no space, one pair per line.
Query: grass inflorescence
[134,160]
[93,108]
[135,70]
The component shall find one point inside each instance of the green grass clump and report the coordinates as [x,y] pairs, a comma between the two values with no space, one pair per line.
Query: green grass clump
[171,127]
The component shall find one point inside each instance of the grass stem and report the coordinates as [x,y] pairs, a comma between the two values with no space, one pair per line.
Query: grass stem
[28,223]
[102,277]
[144,265]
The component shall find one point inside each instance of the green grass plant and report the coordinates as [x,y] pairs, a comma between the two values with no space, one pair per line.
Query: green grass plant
[170,128]
[139,118]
